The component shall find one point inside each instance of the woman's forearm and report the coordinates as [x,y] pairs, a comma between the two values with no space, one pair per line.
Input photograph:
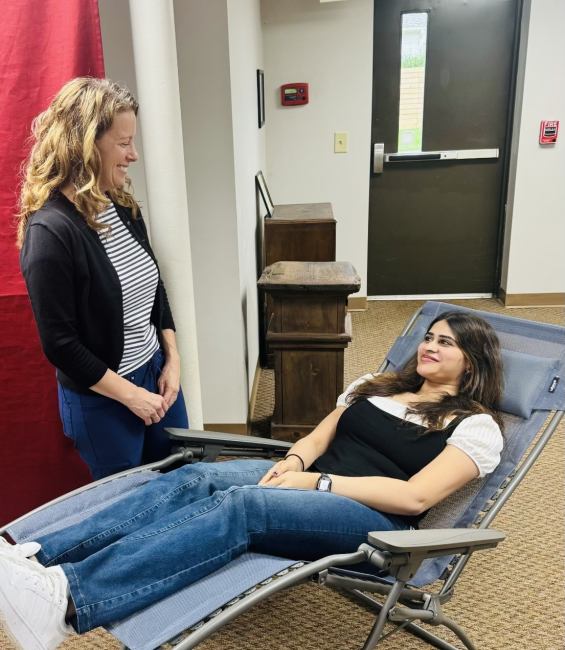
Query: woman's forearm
[317,442]
[170,345]
[116,387]
[386,494]
[448,472]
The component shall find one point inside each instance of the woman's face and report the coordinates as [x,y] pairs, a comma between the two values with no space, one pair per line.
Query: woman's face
[439,357]
[117,150]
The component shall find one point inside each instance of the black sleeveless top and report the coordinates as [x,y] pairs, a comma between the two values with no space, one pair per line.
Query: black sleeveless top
[371,442]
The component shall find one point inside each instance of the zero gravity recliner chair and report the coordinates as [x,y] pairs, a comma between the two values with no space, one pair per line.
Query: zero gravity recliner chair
[403,561]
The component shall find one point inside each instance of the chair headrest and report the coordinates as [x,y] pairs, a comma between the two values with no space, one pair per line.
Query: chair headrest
[526,379]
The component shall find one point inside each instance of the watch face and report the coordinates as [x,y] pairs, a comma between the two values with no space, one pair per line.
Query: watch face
[324,484]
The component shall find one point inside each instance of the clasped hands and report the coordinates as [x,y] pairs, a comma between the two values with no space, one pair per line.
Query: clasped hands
[287,473]
[151,407]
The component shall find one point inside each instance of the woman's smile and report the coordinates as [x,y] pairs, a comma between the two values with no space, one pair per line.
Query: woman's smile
[426,358]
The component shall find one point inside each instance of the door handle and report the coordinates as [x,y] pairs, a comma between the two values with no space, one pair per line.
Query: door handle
[378,157]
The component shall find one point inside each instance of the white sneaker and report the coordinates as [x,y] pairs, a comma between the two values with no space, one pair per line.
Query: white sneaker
[19,550]
[33,603]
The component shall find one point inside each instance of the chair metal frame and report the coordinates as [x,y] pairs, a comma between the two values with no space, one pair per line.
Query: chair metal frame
[396,553]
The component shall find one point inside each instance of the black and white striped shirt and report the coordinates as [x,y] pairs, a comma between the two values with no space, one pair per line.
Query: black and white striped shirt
[138,277]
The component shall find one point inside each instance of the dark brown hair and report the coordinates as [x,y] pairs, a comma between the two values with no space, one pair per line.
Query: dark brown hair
[481,386]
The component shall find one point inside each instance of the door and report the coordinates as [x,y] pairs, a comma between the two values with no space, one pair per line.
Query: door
[442,89]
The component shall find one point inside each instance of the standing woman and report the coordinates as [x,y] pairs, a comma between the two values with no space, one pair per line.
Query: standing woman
[99,303]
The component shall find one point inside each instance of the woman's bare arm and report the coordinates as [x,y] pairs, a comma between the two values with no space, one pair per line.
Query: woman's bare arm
[451,470]
[169,380]
[447,473]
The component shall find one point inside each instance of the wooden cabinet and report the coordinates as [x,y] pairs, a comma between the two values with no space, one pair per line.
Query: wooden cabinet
[300,232]
[308,334]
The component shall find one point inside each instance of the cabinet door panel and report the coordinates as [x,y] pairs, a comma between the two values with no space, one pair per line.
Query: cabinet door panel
[309,385]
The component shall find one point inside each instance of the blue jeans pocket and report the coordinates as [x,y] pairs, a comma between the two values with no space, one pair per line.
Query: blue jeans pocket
[65,413]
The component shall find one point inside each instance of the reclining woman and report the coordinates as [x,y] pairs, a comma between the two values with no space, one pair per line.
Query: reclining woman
[396,445]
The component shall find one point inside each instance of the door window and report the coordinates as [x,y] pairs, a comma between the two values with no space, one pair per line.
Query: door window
[412,77]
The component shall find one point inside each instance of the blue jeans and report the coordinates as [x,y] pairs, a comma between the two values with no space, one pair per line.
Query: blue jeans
[190,522]
[108,436]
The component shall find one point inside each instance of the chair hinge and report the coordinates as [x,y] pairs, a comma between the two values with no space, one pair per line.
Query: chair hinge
[322,578]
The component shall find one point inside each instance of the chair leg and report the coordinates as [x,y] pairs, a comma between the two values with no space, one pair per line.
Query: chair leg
[459,631]
[382,618]
[418,631]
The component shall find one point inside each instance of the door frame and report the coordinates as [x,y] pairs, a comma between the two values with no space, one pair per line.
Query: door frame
[508,148]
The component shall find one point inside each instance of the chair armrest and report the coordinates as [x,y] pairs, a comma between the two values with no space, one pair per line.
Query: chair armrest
[229,441]
[434,543]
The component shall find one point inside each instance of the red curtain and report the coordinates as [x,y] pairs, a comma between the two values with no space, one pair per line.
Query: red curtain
[43,44]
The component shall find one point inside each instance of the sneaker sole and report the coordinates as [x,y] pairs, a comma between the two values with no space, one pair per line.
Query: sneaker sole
[20,643]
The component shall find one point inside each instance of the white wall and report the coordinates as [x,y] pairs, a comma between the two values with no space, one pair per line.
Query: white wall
[329,46]
[246,57]
[534,259]
[204,77]
[119,67]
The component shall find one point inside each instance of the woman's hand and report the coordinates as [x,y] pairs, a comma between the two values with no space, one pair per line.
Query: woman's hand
[291,464]
[169,381]
[301,480]
[148,406]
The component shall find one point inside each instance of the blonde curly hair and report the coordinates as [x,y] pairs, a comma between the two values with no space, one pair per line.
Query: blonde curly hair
[64,150]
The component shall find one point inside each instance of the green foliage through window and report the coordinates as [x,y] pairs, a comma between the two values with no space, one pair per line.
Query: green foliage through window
[413,60]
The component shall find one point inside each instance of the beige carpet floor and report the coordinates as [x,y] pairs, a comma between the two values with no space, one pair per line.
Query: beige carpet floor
[511,598]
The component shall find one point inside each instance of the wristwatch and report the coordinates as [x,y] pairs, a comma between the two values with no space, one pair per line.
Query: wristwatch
[324,483]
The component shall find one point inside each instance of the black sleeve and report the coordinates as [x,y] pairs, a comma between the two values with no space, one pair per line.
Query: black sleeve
[47,267]
[167,322]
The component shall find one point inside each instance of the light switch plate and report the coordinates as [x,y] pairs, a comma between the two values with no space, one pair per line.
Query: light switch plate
[341,141]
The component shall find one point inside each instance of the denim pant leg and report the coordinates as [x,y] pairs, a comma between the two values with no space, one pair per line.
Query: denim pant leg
[158,498]
[192,542]
[106,434]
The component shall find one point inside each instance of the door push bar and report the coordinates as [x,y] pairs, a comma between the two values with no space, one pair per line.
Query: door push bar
[380,157]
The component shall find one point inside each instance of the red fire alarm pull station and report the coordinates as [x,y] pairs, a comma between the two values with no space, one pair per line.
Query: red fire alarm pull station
[294,94]
[548,131]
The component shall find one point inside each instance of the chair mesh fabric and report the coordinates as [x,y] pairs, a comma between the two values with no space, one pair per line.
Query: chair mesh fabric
[150,627]
[162,621]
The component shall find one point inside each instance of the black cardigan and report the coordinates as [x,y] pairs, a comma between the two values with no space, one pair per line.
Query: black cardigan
[76,295]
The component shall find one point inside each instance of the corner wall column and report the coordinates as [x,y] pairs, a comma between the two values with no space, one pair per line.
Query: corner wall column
[156,71]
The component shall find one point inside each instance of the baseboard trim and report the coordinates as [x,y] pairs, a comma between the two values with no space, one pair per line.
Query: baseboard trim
[531,299]
[240,428]
[357,303]
[433,296]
